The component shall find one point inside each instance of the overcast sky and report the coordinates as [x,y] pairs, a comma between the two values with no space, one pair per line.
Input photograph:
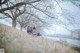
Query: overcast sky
[68,10]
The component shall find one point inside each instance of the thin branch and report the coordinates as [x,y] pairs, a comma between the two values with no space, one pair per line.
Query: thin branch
[41,11]
[10,11]
[76,5]
[59,5]
[5,1]
[6,14]
[3,17]
[35,16]
[17,5]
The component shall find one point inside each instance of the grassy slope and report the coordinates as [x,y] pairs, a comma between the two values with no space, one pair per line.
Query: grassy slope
[16,41]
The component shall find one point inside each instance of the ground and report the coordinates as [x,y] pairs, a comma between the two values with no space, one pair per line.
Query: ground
[16,41]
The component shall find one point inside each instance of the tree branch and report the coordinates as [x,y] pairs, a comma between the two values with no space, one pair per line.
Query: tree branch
[17,5]
[35,17]
[5,1]
[41,11]
[3,17]
[6,14]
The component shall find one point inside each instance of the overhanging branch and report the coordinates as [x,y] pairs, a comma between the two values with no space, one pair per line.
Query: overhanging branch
[35,17]
[17,5]
[5,1]
[41,11]
[3,17]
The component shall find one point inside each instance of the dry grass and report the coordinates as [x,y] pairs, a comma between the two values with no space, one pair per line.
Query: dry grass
[16,41]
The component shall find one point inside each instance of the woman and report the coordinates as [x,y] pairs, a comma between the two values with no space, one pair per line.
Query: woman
[29,29]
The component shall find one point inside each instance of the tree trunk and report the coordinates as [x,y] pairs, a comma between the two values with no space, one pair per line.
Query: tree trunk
[14,23]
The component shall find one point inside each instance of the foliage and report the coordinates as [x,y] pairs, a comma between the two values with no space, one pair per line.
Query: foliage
[76,48]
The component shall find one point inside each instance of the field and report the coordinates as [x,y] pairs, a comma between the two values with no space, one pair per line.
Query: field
[16,41]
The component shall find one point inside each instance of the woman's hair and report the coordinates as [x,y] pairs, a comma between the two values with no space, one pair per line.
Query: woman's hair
[34,27]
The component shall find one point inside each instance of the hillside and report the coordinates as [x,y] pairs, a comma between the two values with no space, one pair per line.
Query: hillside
[16,41]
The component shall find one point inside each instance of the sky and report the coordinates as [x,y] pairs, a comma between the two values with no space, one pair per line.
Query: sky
[68,11]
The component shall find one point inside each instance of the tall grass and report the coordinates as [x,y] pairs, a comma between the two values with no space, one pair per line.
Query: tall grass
[76,48]
[5,43]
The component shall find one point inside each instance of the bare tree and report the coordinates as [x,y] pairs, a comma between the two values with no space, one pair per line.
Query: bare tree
[16,4]
[29,19]
[23,20]
[15,10]
[13,14]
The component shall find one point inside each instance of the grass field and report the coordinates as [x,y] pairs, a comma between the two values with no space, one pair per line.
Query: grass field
[16,41]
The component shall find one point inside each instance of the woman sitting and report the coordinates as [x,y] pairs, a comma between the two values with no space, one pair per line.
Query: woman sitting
[29,29]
